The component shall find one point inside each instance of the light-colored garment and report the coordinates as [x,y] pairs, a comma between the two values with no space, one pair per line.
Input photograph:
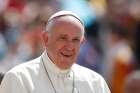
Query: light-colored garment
[31,77]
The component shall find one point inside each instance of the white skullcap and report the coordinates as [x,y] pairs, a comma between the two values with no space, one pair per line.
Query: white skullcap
[64,13]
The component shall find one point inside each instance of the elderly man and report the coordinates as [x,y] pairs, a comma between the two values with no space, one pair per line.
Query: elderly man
[55,70]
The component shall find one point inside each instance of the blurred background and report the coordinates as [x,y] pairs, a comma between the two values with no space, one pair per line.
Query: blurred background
[112,46]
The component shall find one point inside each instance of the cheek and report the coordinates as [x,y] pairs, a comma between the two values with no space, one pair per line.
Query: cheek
[78,48]
[55,47]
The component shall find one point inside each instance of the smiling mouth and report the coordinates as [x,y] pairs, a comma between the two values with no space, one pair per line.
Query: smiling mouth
[66,55]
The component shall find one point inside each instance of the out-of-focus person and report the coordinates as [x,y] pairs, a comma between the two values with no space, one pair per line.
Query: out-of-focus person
[132,82]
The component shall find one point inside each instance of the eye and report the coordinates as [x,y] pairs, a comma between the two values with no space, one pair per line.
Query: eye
[76,40]
[63,38]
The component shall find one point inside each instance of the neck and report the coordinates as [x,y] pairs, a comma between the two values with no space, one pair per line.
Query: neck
[51,66]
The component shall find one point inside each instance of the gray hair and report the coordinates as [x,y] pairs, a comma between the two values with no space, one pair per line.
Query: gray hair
[61,14]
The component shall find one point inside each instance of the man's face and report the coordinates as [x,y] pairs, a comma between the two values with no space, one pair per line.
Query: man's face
[63,41]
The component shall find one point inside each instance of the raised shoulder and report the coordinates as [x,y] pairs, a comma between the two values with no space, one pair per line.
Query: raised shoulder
[27,67]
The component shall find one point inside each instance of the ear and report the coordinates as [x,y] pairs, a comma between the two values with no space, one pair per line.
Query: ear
[83,40]
[44,37]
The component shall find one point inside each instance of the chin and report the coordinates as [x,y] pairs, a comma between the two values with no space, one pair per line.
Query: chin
[66,66]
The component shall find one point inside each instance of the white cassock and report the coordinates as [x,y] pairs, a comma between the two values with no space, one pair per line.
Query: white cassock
[31,77]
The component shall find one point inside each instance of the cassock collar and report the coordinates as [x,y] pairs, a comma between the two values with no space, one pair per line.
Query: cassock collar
[51,67]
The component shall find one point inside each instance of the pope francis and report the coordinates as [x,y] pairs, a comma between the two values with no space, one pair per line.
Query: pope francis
[56,71]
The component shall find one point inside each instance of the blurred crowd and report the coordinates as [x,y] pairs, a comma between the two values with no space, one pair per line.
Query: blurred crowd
[111,48]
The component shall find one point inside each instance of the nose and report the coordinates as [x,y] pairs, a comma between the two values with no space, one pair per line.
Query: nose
[69,46]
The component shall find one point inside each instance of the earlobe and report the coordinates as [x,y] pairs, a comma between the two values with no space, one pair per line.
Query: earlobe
[83,40]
